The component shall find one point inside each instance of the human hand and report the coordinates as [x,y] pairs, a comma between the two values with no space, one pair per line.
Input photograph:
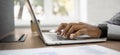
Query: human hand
[72,30]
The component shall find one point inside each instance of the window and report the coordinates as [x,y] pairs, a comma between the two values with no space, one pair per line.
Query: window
[49,12]
[63,7]
[21,14]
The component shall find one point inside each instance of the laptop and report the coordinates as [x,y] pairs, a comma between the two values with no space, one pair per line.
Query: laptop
[53,39]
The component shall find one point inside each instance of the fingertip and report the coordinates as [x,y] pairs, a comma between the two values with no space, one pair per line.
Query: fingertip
[64,37]
[72,36]
[58,33]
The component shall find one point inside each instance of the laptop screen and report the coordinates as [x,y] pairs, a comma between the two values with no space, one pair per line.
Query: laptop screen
[34,19]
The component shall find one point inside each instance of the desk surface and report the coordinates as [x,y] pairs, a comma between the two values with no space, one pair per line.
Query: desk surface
[33,41]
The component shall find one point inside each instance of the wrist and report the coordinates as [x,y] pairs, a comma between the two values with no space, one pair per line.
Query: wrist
[104,30]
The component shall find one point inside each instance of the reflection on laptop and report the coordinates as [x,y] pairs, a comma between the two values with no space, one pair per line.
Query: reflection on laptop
[54,39]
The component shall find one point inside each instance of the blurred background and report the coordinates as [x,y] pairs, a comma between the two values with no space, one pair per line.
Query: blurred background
[53,12]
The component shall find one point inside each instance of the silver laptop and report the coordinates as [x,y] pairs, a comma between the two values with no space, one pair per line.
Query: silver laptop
[54,39]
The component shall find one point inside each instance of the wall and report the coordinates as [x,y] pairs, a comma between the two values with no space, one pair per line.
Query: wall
[101,10]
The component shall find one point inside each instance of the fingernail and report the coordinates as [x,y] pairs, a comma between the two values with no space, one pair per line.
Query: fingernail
[71,36]
[62,30]
[64,37]
[62,34]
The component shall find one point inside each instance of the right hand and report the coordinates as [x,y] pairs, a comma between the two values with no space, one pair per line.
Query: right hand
[72,30]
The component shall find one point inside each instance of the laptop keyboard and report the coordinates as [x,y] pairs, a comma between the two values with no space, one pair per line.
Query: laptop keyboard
[58,37]
[55,37]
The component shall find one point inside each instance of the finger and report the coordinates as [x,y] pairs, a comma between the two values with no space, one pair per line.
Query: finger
[66,29]
[70,31]
[73,29]
[79,32]
[61,27]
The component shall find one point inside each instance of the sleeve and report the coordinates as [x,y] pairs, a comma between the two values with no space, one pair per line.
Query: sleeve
[113,32]
[110,30]
[114,27]
[115,19]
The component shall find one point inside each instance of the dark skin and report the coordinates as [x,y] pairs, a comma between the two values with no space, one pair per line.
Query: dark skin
[72,30]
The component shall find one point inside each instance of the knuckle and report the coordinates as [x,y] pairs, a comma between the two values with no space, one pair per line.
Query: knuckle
[73,27]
